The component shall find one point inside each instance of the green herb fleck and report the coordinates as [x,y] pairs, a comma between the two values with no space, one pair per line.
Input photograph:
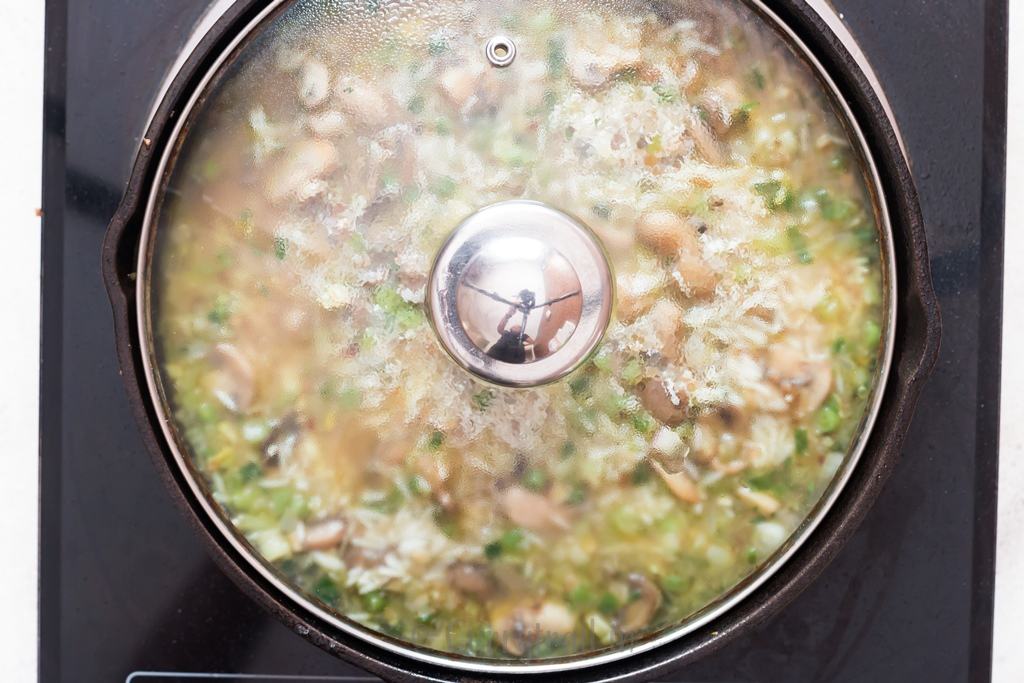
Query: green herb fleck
[416,104]
[776,196]
[374,602]
[483,399]
[757,78]
[579,385]
[327,591]
[418,485]
[664,93]
[250,472]
[581,596]
[608,604]
[445,187]
[535,479]
[577,494]
[556,56]
[641,474]
[280,248]
[828,416]
[390,503]
[674,583]
[872,334]
[437,45]
[493,550]
[798,245]
[800,441]
[643,422]
[221,311]
[206,413]
[837,210]
[633,371]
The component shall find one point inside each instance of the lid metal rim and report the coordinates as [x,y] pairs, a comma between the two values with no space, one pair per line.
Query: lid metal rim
[703,617]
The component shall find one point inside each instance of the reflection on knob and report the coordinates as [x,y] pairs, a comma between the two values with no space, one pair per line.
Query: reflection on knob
[520,284]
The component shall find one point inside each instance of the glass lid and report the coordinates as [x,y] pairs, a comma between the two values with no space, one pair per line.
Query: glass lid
[516,335]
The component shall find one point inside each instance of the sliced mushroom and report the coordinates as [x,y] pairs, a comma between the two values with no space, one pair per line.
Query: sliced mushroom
[469,89]
[307,162]
[362,100]
[592,69]
[289,59]
[533,511]
[667,321]
[614,238]
[437,473]
[280,444]
[391,452]
[704,444]
[472,578]
[324,534]
[359,556]
[765,504]
[809,381]
[328,124]
[668,233]
[518,626]
[636,295]
[638,613]
[666,443]
[314,83]
[679,483]
[668,405]
[815,393]
[705,142]
[694,276]
[231,379]
[723,103]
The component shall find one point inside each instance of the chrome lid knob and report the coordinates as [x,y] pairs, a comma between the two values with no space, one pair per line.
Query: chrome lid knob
[520,294]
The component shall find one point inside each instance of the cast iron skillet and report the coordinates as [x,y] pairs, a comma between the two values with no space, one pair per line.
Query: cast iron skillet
[914,352]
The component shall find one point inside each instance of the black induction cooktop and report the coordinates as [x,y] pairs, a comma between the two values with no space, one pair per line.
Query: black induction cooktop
[129,594]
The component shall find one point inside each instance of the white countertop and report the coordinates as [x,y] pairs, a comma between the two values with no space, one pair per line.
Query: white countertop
[21,50]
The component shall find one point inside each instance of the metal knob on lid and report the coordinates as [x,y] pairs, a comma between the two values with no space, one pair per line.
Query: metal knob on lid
[520,294]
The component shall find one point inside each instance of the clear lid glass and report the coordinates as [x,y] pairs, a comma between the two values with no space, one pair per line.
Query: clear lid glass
[727,244]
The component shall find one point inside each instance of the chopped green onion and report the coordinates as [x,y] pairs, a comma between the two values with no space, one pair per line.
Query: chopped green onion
[757,78]
[581,596]
[828,416]
[641,474]
[445,187]
[777,197]
[482,400]
[535,479]
[608,604]
[632,372]
[798,244]
[493,550]
[577,494]
[280,248]
[872,334]
[800,441]
[375,601]
[327,591]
